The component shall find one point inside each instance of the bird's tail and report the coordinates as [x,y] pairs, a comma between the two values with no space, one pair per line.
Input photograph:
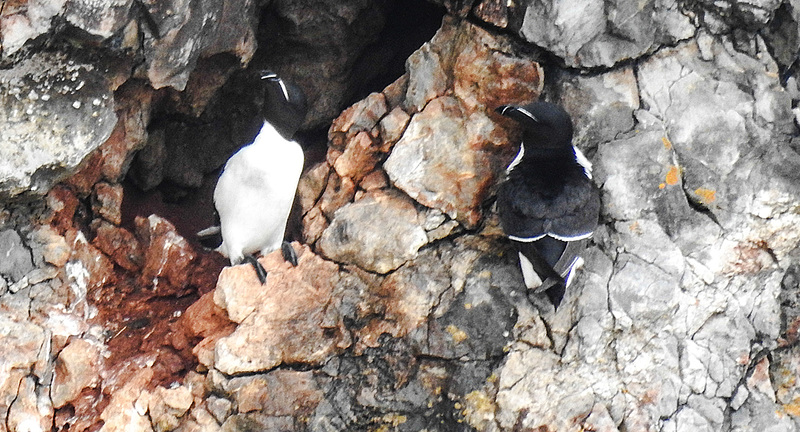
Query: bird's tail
[210,237]
[553,284]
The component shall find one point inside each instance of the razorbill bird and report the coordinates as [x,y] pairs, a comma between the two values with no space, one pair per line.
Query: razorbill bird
[256,189]
[548,206]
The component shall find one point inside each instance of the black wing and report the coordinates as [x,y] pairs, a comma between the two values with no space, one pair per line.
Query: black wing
[531,208]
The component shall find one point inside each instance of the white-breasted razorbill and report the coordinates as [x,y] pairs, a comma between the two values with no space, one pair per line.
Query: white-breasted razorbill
[256,189]
[548,206]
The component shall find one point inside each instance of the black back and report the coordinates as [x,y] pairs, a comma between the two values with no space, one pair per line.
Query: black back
[285,105]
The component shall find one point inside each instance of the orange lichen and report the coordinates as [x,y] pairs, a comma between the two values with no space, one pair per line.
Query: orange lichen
[707,196]
[662,185]
[667,143]
[673,175]
[793,408]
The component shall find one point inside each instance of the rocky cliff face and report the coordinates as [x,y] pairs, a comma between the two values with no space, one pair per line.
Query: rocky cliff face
[407,310]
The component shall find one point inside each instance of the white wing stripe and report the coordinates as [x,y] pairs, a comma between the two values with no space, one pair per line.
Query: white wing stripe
[517,158]
[555,236]
[584,162]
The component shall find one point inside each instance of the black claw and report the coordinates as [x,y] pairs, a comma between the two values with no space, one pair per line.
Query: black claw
[289,253]
[260,271]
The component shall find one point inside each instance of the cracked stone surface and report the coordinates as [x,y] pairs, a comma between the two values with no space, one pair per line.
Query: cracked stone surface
[407,311]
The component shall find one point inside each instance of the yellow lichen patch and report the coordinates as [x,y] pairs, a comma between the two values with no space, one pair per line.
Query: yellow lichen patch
[667,143]
[793,408]
[707,196]
[457,334]
[673,175]
[662,185]
[479,409]
[391,419]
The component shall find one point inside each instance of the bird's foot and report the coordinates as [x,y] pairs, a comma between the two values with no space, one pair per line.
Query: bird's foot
[260,271]
[289,254]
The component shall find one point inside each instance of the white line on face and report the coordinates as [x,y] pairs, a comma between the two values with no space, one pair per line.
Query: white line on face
[528,114]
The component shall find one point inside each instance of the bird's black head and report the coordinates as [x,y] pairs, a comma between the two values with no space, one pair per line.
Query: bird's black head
[547,128]
[285,104]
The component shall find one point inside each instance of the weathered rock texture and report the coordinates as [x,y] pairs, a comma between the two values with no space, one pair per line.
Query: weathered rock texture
[407,310]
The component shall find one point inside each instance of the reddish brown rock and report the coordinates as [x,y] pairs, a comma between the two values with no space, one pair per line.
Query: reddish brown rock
[338,192]
[133,106]
[292,319]
[168,256]
[495,12]
[203,319]
[392,127]
[29,411]
[377,179]
[78,366]
[314,223]
[167,406]
[487,74]
[89,268]
[63,203]
[452,150]
[107,202]
[406,297]
[89,173]
[360,117]
[127,409]
[448,159]
[311,186]
[120,245]
[359,157]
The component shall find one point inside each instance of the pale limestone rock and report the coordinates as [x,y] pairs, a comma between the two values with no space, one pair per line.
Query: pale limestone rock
[56,112]
[378,233]
[442,144]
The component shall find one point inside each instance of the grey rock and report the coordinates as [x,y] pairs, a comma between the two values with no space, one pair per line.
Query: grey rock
[378,233]
[55,113]
[17,261]
[726,16]
[188,33]
[593,33]
[99,18]
[601,106]
[689,297]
